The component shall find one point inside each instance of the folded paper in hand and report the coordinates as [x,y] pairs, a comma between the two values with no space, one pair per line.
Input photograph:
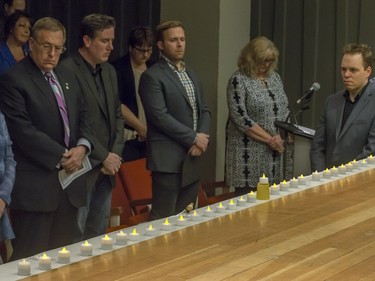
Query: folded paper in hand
[66,179]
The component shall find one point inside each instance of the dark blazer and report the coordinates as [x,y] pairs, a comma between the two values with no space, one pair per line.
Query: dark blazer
[106,119]
[36,129]
[126,83]
[332,146]
[169,115]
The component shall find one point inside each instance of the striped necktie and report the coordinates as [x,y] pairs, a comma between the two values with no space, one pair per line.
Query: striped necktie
[61,103]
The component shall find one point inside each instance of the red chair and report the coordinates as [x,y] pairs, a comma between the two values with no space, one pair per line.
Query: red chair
[213,192]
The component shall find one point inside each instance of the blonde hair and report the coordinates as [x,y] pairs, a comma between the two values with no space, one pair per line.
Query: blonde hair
[257,51]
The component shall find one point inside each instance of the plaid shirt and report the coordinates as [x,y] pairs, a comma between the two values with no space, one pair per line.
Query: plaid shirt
[188,85]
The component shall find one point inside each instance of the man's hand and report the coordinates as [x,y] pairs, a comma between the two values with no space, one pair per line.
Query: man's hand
[202,141]
[111,165]
[2,207]
[72,159]
[194,151]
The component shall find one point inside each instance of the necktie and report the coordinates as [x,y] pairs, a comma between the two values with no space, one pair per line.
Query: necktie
[62,107]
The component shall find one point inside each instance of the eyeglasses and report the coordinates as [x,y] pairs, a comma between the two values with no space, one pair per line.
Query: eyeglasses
[49,47]
[267,61]
[143,51]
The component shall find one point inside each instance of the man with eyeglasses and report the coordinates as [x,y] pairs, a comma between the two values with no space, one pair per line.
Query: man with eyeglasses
[129,69]
[98,84]
[49,127]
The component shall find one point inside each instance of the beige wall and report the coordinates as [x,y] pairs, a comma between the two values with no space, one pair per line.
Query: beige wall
[216,30]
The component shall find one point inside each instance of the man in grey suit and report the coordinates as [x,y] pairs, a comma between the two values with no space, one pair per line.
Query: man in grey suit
[177,124]
[50,131]
[346,130]
[98,84]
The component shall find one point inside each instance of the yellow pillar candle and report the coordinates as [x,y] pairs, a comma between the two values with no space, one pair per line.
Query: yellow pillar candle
[263,189]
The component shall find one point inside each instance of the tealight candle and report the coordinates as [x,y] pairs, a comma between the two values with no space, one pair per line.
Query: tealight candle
[363,162]
[63,256]
[86,249]
[24,268]
[134,235]
[316,176]
[106,243]
[334,171]
[349,167]
[44,262]
[293,183]
[121,238]
[220,208]
[327,173]
[195,216]
[342,169]
[208,212]
[166,226]
[263,179]
[284,185]
[275,189]
[231,205]
[181,221]
[301,180]
[251,197]
[241,201]
[355,164]
[150,231]
[371,159]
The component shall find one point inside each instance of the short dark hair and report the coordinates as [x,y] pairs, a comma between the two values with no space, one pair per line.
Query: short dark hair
[93,23]
[11,21]
[363,49]
[140,36]
[163,26]
[47,23]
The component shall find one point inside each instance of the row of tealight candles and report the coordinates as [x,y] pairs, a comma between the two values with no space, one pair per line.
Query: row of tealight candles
[44,261]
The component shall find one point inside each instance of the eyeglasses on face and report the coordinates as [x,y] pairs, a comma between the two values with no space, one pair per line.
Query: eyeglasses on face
[46,47]
[267,61]
[143,51]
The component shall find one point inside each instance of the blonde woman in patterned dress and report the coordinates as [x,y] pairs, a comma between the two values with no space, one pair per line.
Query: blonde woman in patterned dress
[256,99]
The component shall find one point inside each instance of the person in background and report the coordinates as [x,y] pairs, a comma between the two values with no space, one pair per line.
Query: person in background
[346,128]
[177,124]
[9,7]
[48,125]
[7,175]
[129,69]
[98,85]
[16,45]
[256,99]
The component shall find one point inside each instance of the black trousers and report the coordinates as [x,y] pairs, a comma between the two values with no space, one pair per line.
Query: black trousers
[168,197]
[37,232]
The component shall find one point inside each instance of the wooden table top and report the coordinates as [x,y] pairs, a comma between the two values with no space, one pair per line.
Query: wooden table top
[323,233]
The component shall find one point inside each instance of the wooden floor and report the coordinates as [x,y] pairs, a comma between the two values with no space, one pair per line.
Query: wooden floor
[323,233]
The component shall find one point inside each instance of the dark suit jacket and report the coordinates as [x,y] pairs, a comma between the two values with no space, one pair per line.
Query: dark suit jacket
[106,119]
[126,83]
[36,129]
[169,115]
[332,146]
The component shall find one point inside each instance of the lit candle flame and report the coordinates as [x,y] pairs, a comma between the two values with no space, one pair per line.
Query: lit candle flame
[370,156]
[150,227]
[327,169]
[354,161]
[316,171]
[195,213]
[284,181]
[301,176]
[86,243]
[44,256]
[181,218]
[251,192]
[121,232]
[134,231]
[166,221]
[64,250]
[342,165]
[106,237]
[334,167]
[208,208]
[220,205]
[263,175]
[231,201]
[274,184]
[241,198]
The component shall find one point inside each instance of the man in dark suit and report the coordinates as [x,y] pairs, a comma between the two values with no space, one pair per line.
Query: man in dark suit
[177,124]
[50,131]
[346,130]
[98,84]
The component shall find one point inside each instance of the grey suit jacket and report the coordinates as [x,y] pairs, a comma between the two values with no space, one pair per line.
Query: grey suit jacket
[332,146]
[169,115]
[106,119]
[36,129]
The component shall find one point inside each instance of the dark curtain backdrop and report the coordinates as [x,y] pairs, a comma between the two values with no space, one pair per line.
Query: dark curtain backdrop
[128,14]
[310,35]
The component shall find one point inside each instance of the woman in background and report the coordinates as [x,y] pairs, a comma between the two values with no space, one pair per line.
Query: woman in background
[7,175]
[129,69]
[256,99]
[15,46]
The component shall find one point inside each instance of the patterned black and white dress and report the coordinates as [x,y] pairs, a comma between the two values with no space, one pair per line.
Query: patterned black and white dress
[250,101]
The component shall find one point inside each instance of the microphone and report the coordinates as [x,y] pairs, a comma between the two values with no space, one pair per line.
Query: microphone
[307,95]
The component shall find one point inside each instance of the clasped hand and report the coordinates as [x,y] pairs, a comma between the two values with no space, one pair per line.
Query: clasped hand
[72,159]
[200,145]
[112,164]
[277,144]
